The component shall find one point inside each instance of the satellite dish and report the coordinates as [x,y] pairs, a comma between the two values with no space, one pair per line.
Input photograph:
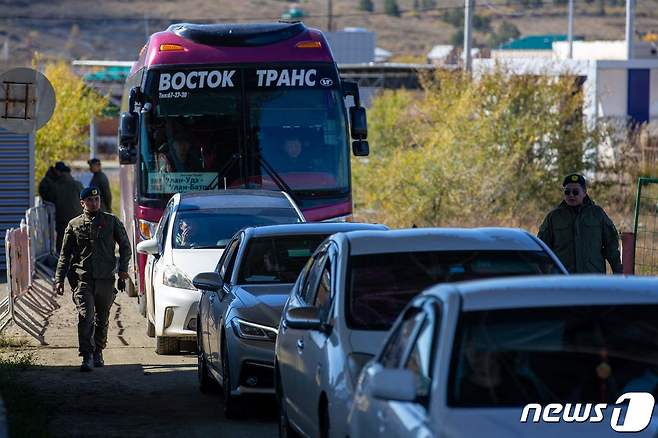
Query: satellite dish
[27,100]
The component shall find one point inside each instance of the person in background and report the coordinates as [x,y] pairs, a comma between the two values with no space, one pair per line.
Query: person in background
[88,253]
[47,183]
[99,179]
[67,203]
[580,233]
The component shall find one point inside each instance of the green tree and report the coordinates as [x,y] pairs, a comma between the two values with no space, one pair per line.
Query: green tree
[391,8]
[506,32]
[485,151]
[366,5]
[428,4]
[65,135]
[457,38]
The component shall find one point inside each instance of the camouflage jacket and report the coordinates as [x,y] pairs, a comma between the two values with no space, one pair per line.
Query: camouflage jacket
[88,247]
[583,238]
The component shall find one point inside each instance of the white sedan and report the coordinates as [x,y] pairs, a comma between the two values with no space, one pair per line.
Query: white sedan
[561,356]
[190,238]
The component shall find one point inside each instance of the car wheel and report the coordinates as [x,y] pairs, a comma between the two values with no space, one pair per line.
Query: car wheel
[205,381]
[285,430]
[324,422]
[165,345]
[150,328]
[230,401]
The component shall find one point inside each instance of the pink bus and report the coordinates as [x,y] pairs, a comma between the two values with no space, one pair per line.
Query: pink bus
[209,107]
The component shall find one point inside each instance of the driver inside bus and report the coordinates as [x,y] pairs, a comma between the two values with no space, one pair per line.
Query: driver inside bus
[180,156]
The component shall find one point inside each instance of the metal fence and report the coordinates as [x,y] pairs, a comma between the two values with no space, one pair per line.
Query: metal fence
[646,227]
[29,249]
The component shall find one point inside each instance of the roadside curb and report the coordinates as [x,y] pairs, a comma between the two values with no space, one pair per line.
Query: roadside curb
[4,433]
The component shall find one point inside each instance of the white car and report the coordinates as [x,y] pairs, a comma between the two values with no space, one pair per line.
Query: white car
[190,238]
[351,291]
[515,358]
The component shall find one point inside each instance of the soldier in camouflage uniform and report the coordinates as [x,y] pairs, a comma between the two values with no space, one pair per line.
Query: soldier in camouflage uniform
[580,233]
[88,249]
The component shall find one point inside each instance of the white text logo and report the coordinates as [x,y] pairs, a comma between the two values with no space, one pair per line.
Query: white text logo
[196,79]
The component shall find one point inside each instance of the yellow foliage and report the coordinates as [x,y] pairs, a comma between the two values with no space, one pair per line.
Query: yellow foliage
[485,151]
[65,135]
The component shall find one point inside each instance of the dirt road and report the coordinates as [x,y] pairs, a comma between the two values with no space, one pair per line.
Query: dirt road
[137,393]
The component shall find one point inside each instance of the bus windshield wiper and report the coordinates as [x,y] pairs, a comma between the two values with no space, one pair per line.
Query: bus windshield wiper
[277,178]
[214,184]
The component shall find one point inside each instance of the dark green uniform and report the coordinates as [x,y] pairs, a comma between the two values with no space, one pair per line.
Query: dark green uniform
[88,248]
[100,180]
[47,185]
[67,203]
[582,237]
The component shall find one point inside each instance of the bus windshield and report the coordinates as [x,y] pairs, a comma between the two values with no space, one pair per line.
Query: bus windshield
[245,134]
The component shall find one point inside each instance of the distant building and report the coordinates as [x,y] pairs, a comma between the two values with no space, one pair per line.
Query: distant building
[604,50]
[529,46]
[352,45]
[382,55]
[440,54]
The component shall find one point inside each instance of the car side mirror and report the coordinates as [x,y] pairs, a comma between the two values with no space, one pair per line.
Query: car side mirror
[393,384]
[360,148]
[304,318]
[149,246]
[358,123]
[208,281]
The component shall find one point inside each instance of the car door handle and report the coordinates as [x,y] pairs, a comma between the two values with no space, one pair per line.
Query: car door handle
[300,345]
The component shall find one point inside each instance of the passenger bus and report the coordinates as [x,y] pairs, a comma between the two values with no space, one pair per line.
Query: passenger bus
[219,106]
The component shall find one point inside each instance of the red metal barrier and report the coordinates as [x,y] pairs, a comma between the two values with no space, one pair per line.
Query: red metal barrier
[628,253]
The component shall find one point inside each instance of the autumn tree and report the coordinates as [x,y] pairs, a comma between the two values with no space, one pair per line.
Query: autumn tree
[65,136]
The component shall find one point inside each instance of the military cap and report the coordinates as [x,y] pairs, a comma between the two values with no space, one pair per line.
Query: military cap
[574,178]
[93,161]
[61,167]
[89,191]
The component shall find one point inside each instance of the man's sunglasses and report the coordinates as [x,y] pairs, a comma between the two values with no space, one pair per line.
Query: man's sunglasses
[574,192]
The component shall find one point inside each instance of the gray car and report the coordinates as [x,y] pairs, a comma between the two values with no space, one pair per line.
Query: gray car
[242,300]
[351,291]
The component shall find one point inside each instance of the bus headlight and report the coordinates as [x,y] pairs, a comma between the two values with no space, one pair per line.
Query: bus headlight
[174,277]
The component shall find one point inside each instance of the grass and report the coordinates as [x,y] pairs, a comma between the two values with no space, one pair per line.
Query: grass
[25,413]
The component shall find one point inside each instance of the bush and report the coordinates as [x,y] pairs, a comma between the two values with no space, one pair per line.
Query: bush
[473,152]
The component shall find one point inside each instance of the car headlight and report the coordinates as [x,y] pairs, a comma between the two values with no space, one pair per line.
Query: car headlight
[147,229]
[174,277]
[253,331]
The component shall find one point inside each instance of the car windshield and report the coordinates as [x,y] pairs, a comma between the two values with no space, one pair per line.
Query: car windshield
[380,285]
[277,259]
[213,228]
[588,354]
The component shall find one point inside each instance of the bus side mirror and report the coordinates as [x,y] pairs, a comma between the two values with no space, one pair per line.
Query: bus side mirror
[360,148]
[128,129]
[358,123]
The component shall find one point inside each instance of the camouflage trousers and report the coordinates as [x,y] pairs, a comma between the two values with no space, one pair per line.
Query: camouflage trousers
[93,300]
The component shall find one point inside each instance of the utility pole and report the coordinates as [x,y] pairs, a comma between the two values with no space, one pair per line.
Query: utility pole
[630,27]
[570,29]
[469,6]
[330,16]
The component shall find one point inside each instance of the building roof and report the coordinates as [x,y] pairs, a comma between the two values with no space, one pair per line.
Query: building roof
[535,42]
[439,52]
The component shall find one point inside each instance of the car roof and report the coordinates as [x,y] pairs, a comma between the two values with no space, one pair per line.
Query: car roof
[232,199]
[432,239]
[309,228]
[551,291]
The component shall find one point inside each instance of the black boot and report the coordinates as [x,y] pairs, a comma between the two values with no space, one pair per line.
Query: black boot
[98,358]
[87,363]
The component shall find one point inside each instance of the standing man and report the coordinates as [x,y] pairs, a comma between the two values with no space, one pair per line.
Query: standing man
[47,183]
[88,248]
[580,233]
[65,198]
[100,180]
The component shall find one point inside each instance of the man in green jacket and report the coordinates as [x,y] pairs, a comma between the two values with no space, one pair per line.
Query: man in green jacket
[100,180]
[67,204]
[88,250]
[580,233]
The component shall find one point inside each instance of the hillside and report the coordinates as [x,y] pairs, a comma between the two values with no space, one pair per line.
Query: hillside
[116,29]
